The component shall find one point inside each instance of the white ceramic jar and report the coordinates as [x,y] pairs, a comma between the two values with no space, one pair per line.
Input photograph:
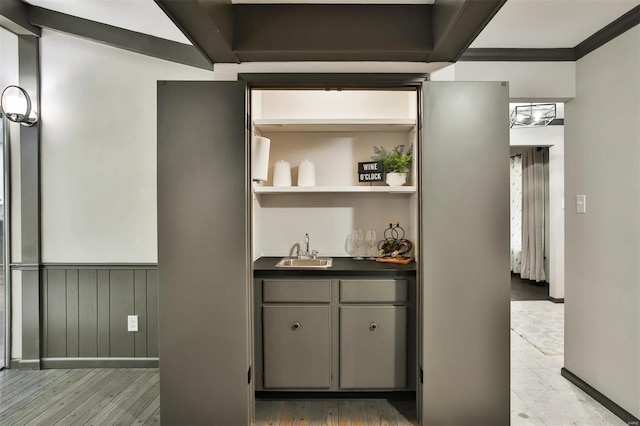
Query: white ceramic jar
[282,173]
[306,174]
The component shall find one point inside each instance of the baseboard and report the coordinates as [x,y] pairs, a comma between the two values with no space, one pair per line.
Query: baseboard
[100,363]
[29,364]
[624,415]
[556,300]
[400,395]
[14,363]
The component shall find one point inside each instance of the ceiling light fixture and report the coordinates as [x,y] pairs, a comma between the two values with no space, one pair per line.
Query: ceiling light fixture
[16,106]
[532,115]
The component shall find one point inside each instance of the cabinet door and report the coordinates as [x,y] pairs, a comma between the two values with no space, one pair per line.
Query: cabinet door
[297,347]
[373,347]
[464,228]
[203,203]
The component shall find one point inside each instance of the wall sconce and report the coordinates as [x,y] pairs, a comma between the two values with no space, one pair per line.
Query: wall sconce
[16,105]
[532,115]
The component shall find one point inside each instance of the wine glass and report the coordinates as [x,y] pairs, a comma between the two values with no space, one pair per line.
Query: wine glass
[358,239]
[371,238]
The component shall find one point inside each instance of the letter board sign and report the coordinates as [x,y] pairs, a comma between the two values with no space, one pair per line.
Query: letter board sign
[370,171]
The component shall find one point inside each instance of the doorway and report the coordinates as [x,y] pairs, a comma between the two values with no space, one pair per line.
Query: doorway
[312,377]
[529,205]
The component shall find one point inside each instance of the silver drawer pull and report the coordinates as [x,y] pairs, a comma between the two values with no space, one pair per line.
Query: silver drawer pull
[373,326]
[295,326]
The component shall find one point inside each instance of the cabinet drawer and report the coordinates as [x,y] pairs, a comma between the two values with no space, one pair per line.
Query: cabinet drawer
[389,291]
[297,347]
[373,347]
[318,291]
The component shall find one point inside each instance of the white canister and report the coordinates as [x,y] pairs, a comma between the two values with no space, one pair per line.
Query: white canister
[282,173]
[306,174]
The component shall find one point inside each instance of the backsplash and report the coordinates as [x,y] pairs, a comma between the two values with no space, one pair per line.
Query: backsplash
[283,220]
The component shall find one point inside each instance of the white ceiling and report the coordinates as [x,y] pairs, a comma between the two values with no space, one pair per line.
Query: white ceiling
[549,23]
[143,16]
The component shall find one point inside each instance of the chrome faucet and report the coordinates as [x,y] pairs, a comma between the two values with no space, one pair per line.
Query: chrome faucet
[306,254]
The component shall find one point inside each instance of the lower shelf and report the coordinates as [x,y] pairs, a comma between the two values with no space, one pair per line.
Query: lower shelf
[330,189]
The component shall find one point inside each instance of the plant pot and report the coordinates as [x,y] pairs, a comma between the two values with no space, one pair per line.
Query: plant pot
[396,179]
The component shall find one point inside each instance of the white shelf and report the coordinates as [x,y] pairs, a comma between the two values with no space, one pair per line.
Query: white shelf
[334,125]
[334,189]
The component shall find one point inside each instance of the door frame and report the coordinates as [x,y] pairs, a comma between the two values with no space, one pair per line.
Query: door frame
[352,81]
[6,238]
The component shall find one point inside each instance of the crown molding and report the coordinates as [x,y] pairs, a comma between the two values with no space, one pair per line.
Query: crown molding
[598,39]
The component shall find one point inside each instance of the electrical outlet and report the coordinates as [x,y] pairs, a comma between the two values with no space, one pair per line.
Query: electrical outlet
[132,323]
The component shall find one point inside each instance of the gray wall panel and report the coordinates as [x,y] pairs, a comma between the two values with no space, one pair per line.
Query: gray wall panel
[56,314]
[203,185]
[152,313]
[121,293]
[85,312]
[72,313]
[465,253]
[140,309]
[88,313]
[43,313]
[103,313]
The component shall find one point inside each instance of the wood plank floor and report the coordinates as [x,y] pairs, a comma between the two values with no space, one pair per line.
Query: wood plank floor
[79,397]
[336,412]
[130,396]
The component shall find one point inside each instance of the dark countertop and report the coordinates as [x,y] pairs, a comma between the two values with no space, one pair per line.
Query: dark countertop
[265,267]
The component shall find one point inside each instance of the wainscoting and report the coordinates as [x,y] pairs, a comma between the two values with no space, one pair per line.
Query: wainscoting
[85,308]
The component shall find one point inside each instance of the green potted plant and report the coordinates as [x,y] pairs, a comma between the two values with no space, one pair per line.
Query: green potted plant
[395,163]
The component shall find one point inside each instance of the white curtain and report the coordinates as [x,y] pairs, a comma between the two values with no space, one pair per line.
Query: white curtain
[516,213]
[532,215]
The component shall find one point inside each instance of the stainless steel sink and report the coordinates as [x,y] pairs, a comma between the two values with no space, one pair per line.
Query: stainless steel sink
[319,263]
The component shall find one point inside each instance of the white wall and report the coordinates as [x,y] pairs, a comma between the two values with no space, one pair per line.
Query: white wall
[99,150]
[602,325]
[333,104]
[528,81]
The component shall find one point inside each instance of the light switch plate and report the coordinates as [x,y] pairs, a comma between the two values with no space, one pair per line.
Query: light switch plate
[132,323]
[581,203]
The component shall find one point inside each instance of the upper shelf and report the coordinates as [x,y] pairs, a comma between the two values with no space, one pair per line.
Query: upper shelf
[333,189]
[267,125]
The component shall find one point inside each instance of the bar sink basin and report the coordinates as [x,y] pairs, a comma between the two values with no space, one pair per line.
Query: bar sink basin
[319,263]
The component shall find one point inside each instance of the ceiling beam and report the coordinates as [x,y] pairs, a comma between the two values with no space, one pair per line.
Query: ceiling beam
[119,37]
[208,24]
[519,55]
[14,16]
[333,81]
[332,32]
[456,23]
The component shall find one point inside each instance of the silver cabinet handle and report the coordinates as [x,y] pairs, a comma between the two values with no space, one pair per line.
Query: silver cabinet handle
[295,326]
[373,326]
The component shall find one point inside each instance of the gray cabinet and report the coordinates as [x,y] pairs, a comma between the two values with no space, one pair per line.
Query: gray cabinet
[297,347]
[373,347]
[335,334]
